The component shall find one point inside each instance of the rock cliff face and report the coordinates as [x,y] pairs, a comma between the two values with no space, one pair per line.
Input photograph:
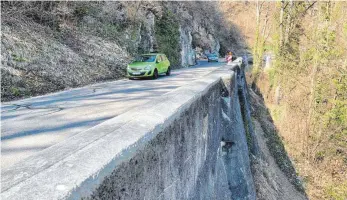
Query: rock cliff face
[50,46]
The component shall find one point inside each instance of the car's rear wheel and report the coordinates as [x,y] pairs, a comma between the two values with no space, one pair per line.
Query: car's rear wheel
[155,74]
[168,72]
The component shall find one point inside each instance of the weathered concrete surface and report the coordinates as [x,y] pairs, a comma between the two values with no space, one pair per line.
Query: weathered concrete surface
[31,125]
[191,145]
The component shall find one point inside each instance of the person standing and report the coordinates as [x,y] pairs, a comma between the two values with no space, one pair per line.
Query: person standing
[229,57]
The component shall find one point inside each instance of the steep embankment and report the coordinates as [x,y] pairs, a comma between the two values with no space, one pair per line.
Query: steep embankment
[305,88]
[273,172]
[50,46]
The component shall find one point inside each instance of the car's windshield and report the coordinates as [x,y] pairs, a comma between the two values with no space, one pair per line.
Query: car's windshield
[213,55]
[145,58]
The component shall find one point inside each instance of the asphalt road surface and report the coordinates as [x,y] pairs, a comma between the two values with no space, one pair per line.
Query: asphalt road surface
[31,125]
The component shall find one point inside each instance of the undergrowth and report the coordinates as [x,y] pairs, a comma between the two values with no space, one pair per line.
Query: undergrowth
[276,146]
[168,36]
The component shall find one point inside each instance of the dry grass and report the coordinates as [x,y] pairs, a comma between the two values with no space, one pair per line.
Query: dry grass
[321,161]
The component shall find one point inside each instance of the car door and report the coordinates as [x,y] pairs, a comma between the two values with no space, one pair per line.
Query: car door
[166,63]
[161,64]
[158,64]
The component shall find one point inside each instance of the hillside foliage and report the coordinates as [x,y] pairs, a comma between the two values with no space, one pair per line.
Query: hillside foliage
[167,32]
[306,90]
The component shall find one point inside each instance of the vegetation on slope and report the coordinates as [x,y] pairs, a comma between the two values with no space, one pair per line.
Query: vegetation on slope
[306,91]
[305,88]
[54,45]
[168,36]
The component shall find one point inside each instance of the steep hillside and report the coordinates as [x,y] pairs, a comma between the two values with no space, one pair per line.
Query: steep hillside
[305,85]
[50,46]
[305,89]
[242,16]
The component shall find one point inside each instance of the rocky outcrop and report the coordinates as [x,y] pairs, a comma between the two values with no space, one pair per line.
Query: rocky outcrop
[50,46]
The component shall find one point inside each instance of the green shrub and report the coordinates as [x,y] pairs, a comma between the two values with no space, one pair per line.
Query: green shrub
[18,58]
[15,91]
[81,11]
[167,34]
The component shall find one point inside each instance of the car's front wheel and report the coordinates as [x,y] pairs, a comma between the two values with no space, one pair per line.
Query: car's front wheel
[155,74]
[168,72]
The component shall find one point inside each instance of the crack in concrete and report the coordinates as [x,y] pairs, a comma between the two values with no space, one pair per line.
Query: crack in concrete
[29,107]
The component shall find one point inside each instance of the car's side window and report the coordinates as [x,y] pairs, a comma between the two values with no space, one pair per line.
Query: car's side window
[159,58]
[164,58]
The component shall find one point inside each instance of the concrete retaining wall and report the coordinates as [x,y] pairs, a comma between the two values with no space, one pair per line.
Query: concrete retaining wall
[187,144]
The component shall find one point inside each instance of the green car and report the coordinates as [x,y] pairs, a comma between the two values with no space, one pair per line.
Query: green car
[149,65]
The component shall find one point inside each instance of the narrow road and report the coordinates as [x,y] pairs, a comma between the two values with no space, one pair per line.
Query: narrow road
[31,125]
